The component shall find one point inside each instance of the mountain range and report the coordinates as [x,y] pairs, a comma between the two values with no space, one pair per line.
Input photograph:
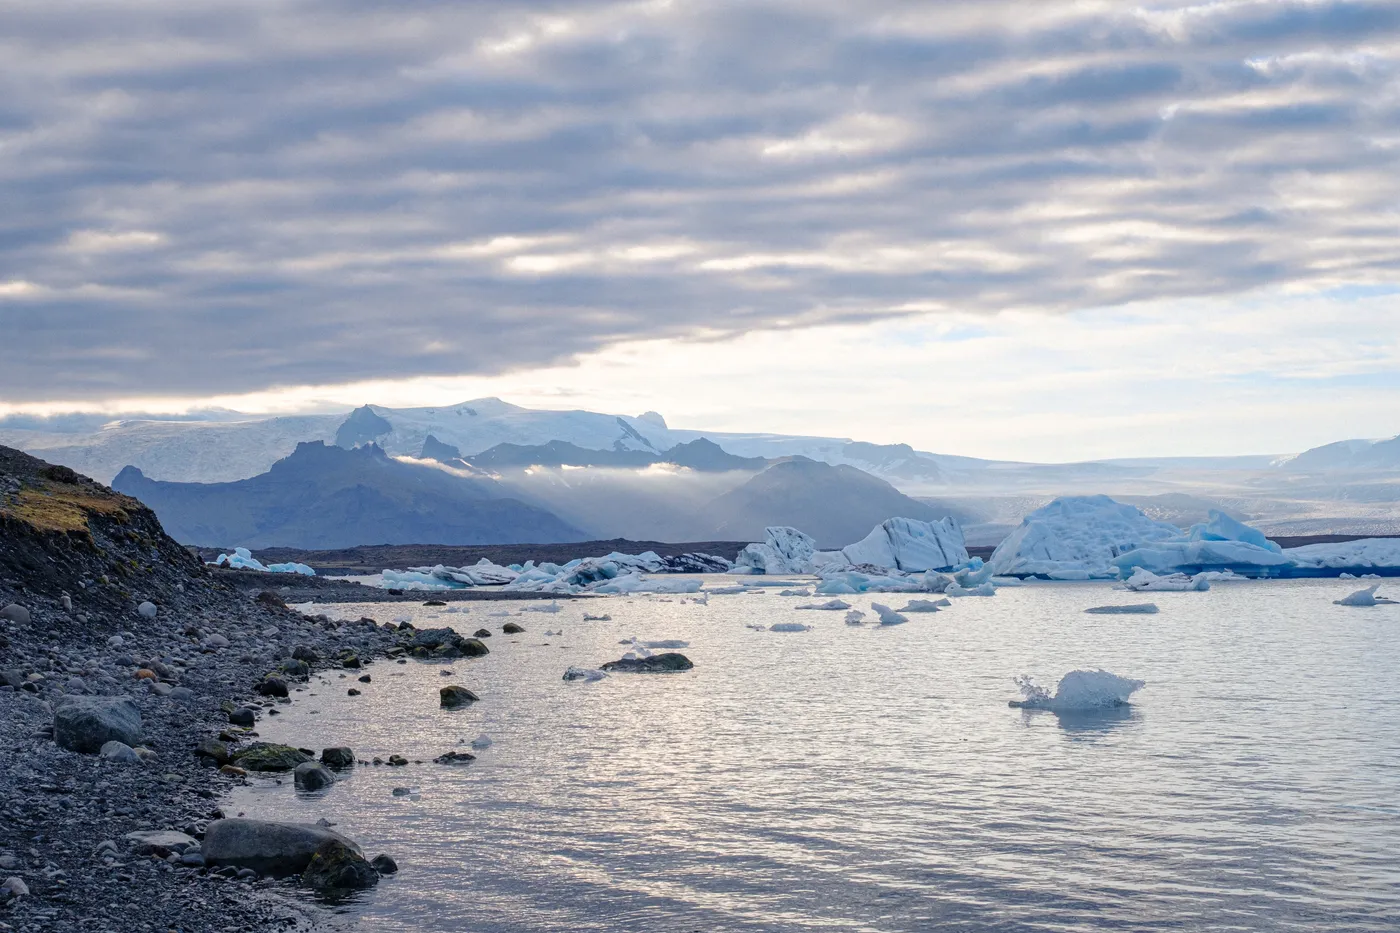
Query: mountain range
[635,476]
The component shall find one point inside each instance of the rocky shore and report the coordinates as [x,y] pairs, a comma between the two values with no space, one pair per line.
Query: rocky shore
[100,610]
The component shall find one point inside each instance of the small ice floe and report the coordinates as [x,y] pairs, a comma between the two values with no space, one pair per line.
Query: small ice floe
[727,590]
[833,605]
[789,627]
[922,605]
[755,627]
[1346,576]
[666,644]
[1144,580]
[987,588]
[482,741]
[552,607]
[552,632]
[1008,581]
[499,615]
[1078,692]
[887,615]
[1128,610]
[602,618]
[585,674]
[854,617]
[1366,597]
[795,593]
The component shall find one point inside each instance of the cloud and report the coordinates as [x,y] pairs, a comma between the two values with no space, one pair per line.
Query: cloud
[225,197]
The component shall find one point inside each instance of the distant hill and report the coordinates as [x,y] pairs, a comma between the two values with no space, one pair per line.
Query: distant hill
[1348,455]
[702,454]
[837,505]
[330,497]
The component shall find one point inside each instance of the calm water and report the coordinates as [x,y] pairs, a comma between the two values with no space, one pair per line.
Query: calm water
[874,779]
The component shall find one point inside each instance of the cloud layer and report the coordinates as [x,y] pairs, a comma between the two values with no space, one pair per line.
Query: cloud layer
[230,196]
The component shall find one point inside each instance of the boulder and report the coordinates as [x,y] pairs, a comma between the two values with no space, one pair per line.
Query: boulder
[119,751]
[511,628]
[267,756]
[271,600]
[454,696]
[213,748]
[305,653]
[85,724]
[295,668]
[272,686]
[267,848]
[338,757]
[384,864]
[14,612]
[242,716]
[311,775]
[147,610]
[337,866]
[482,633]
[667,663]
[455,758]
[445,643]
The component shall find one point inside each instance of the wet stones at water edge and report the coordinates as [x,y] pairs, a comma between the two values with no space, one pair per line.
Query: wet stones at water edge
[445,643]
[311,775]
[268,848]
[668,663]
[453,696]
[267,756]
[455,758]
[338,757]
[337,866]
[272,686]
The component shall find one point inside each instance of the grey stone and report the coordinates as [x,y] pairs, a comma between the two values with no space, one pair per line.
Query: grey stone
[14,887]
[338,757]
[455,696]
[242,716]
[337,866]
[265,847]
[85,724]
[384,864]
[147,610]
[15,613]
[183,694]
[119,751]
[161,842]
[311,775]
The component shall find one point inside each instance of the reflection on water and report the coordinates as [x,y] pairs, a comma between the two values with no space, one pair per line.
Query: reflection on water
[864,778]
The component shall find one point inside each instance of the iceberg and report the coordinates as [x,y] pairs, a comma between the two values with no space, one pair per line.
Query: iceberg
[1366,597]
[789,627]
[243,559]
[1130,609]
[832,605]
[1144,579]
[1094,537]
[1077,692]
[887,615]
[854,617]
[1365,554]
[911,546]
[784,550]
[920,605]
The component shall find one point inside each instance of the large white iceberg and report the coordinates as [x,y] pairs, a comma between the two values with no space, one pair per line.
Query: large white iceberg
[243,559]
[1078,692]
[903,545]
[1365,554]
[911,545]
[1094,537]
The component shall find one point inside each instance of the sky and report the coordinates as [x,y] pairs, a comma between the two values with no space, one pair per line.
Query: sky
[1030,230]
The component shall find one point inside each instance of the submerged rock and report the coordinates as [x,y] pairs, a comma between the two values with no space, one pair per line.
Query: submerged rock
[454,696]
[667,663]
[384,864]
[311,775]
[338,757]
[445,643]
[455,758]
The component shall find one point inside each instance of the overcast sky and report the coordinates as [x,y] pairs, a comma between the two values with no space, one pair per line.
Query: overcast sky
[1023,229]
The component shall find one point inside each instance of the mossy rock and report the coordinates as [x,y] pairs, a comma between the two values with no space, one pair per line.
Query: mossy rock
[267,756]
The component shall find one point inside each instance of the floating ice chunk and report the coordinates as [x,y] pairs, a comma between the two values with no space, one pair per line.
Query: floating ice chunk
[982,589]
[482,741]
[1366,597]
[552,607]
[602,618]
[795,593]
[585,674]
[833,588]
[1078,691]
[668,644]
[636,583]
[1144,580]
[921,605]
[727,590]
[887,615]
[243,559]
[755,627]
[788,627]
[1131,609]
[854,617]
[552,633]
[1008,581]
[833,605]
